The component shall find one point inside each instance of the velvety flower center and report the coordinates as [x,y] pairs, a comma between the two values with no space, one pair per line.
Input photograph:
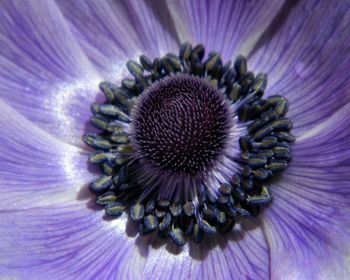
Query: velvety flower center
[181,123]
[188,145]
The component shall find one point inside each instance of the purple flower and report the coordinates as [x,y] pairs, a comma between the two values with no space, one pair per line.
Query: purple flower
[53,56]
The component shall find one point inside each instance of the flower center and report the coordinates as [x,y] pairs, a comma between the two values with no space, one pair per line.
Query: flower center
[189,144]
[180,123]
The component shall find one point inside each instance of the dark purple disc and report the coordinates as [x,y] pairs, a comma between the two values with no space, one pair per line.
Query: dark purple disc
[180,123]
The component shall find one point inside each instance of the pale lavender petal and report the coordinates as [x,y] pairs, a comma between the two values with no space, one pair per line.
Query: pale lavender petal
[308,224]
[44,74]
[242,255]
[307,60]
[154,25]
[230,27]
[69,241]
[111,32]
[36,168]
[66,241]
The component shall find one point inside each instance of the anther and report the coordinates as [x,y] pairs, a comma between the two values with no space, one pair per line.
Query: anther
[115,208]
[137,212]
[134,68]
[101,184]
[185,51]
[166,222]
[106,198]
[150,222]
[177,236]
[198,51]
[240,65]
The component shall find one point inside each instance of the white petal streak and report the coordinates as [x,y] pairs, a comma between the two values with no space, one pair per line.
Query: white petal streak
[35,164]
[39,55]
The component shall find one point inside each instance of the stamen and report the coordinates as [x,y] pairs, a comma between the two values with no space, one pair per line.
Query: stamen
[188,144]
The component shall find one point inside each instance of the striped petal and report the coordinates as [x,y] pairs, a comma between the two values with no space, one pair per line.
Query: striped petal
[65,241]
[308,225]
[68,240]
[44,74]
[229,27]
[242,255]
[306,55]
[111,33]
[36,168]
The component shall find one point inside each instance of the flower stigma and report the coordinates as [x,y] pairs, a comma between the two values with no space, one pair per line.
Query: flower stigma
[188,144]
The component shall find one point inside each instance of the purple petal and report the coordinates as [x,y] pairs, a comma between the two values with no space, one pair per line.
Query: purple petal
[36,168]
[230,27]
[65,241]
[307,60]
[44,74]
[113,32]
[70,241]
[307,226]
[243,255]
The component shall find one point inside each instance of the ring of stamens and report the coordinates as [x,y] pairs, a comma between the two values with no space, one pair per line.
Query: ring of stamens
[188,145]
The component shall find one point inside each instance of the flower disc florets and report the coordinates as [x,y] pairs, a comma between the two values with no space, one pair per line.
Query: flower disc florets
[181,124]
[187,146]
